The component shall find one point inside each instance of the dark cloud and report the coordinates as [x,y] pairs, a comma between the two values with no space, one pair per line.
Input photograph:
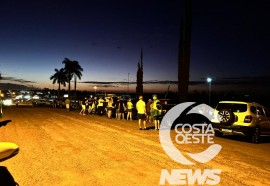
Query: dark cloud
[16,80]
[7,78]
[133,82]
[19,84]
[241,81]
[107,85]
[11,86]
[107,82]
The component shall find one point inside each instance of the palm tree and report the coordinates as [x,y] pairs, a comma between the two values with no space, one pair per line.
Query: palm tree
[72,69]
[60,77]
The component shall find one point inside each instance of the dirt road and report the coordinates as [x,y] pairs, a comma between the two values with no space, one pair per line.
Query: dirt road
[65,148]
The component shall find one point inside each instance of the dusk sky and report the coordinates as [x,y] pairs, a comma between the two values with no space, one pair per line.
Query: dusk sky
[230,41]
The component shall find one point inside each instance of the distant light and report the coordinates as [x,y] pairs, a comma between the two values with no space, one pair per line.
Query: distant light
[19,97]
[7,102]
[27,97]
[65,95]
[209,80]
[36,97]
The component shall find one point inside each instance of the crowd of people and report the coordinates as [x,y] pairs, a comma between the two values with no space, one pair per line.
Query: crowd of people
[123,109]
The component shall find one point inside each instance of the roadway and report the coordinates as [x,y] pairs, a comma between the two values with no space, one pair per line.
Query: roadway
[65,148]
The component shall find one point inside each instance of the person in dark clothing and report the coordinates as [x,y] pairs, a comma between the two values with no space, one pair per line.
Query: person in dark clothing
[94,105]
[148,110]
[121,108]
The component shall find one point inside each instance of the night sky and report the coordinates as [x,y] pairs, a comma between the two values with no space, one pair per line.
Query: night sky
[230,42]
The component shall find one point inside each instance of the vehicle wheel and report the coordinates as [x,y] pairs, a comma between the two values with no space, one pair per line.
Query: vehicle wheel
[226,117]
[255,138]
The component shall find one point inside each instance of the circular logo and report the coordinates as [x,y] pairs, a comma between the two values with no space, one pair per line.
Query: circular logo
[176,118]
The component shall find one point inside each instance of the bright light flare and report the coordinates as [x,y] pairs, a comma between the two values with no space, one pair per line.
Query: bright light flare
[7,102]
[209,80]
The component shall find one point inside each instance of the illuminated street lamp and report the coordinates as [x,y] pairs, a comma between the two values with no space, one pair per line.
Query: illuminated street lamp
[209,80]
[95,87]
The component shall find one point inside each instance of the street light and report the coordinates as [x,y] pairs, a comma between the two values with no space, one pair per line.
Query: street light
[95,87]
[209,80]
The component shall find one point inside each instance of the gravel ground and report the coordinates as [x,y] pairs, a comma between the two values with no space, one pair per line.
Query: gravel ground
[64,148]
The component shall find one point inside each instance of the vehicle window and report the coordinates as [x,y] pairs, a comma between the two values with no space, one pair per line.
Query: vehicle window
[260,111]
[253,109]
[235,107]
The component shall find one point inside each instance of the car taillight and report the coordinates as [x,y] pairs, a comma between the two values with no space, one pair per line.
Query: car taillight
[248,119]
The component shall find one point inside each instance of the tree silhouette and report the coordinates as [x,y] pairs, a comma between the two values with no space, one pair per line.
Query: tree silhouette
[184,52]
[59,77]
[139,87]
[72,69]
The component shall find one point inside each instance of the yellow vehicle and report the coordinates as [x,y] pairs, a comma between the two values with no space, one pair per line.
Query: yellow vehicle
[241,118]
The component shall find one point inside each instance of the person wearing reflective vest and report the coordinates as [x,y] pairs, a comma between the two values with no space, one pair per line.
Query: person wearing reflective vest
[156,111]
[129,109]
[100,106]
[141,109]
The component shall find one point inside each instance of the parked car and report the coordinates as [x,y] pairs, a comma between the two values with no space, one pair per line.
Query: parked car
[43,102]
[24,102]
[241,118]
[60,103]
[75,104]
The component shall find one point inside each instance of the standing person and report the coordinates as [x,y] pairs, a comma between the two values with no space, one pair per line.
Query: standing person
[156,114]
[67,102]
[148,110]
[109,108]
[86,105]
[159,114]
[129,109]
[121,108]
[94,105]
[100,106]
[117,108]
[83,106]
[141,109]
[54,103]
[90,102]
[114,100]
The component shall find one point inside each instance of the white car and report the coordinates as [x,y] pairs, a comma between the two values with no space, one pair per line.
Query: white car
[241,118]
[24,102]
